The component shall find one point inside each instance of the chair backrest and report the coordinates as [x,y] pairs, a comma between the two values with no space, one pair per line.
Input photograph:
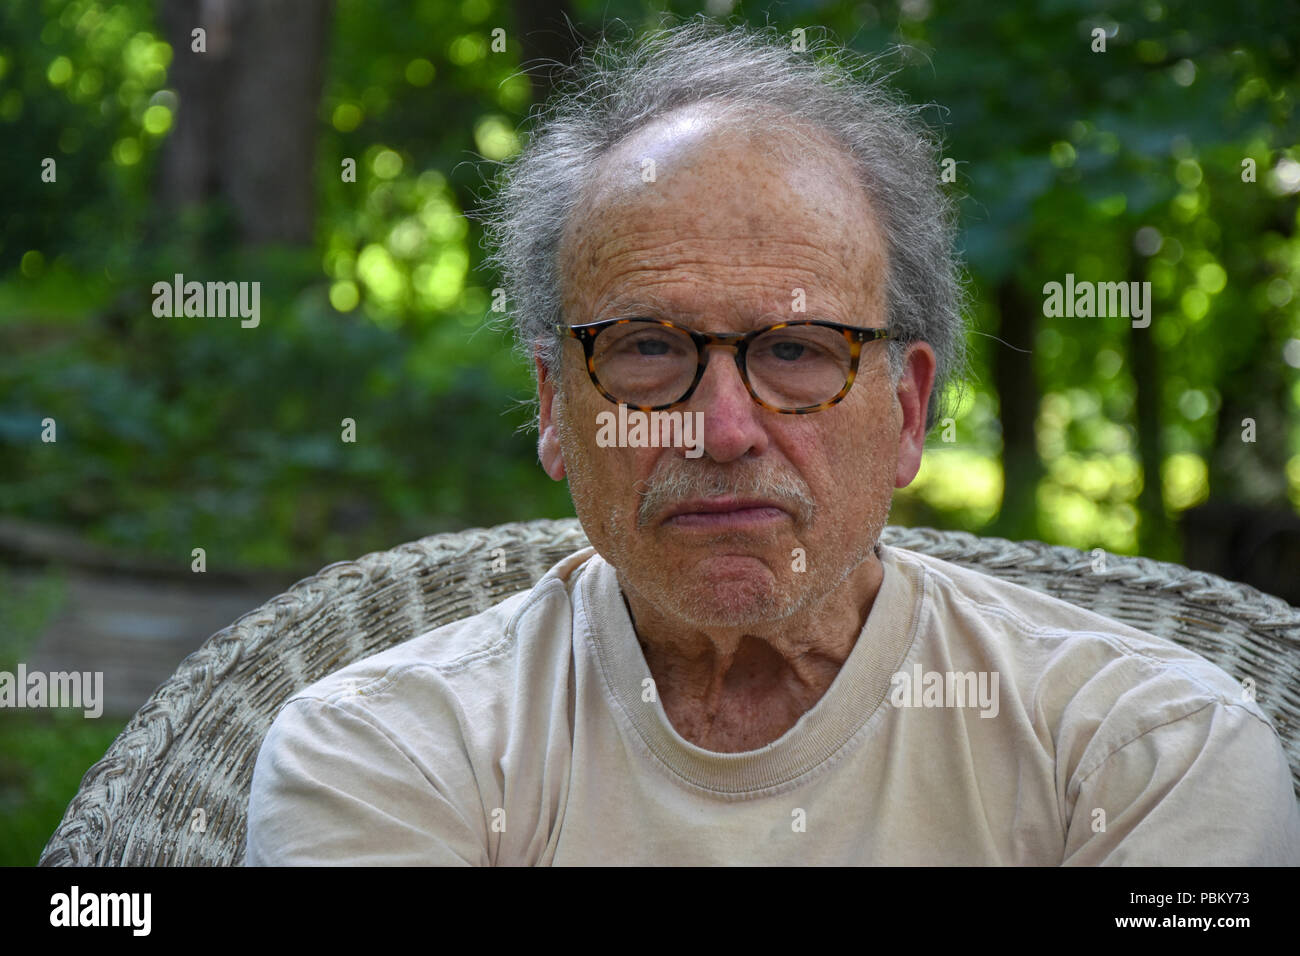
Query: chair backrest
[193,745]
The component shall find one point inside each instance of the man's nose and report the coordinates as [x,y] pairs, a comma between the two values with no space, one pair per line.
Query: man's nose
[733,425]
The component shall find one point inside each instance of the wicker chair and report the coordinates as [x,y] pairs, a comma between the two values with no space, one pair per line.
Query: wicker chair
[193,745]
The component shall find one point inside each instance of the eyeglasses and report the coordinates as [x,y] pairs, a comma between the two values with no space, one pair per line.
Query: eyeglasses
[792,367]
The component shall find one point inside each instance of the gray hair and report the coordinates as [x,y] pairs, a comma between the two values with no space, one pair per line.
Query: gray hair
[615,89]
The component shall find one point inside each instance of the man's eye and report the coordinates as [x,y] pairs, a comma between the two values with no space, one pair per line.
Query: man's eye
[651,347]
[646,345]
[787,351]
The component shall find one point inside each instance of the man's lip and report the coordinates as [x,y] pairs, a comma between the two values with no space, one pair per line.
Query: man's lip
[719,506]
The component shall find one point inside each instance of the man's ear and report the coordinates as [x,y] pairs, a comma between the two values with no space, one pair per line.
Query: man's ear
[914,386]
[548,439]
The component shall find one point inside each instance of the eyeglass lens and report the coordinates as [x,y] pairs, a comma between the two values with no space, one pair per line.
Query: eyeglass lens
[641,363]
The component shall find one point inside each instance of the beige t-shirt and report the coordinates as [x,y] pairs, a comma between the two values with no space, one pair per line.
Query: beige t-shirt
[974,722]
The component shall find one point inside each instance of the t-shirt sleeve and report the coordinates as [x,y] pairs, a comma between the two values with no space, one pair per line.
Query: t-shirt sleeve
[332,787]
[1209,789]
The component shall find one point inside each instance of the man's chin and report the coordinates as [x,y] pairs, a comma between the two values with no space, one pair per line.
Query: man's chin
[733,590]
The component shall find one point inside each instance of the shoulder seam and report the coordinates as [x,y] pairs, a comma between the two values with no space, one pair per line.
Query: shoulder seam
[1218,702]
[1110,637]
[363,717]
[464,662]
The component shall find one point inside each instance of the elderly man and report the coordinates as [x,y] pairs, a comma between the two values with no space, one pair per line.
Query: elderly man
[737,670]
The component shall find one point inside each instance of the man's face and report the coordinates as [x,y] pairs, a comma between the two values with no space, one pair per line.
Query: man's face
[780,509]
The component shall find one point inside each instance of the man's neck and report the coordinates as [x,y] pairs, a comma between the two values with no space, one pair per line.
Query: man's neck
[736,689]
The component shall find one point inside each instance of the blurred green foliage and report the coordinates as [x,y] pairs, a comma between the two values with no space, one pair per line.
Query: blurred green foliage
[43,757]
[174,433]
[43,754]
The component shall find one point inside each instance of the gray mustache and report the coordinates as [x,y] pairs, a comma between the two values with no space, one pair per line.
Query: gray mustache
[674,484]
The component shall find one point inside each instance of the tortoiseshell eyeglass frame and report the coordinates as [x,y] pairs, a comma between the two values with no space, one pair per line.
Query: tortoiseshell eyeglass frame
[739,341]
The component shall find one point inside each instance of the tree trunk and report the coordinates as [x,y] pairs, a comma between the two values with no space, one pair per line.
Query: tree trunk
[546,32]
[1018,401]
[1157,537]
[245,126]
